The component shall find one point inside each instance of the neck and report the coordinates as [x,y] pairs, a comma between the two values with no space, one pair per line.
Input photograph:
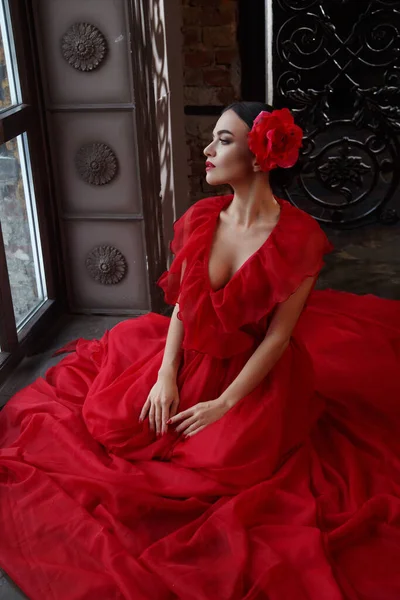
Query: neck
[253,200]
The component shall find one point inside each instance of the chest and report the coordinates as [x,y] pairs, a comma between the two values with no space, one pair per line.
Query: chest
[231,249]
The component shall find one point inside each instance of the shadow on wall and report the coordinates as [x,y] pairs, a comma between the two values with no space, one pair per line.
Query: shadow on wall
[163,117]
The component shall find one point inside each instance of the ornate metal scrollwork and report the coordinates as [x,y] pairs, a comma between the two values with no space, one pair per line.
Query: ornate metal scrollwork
[337,66]
[84,47]
[106,264]
[96,163]
[342,169]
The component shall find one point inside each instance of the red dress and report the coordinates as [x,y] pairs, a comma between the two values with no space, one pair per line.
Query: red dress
[294,494]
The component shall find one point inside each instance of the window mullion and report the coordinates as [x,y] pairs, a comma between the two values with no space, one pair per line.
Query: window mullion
[8,329]
[15,121]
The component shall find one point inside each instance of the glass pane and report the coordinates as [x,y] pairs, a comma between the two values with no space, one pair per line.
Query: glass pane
[20,230]
[9,85]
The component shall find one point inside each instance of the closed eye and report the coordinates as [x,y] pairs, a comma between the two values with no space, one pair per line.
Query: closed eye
[223,141]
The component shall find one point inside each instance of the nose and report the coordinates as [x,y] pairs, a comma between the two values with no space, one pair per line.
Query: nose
[209,150]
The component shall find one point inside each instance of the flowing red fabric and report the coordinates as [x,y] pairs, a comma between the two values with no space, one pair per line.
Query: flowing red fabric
[293,495]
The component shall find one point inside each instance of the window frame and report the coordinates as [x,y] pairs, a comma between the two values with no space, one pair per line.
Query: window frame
[16,120]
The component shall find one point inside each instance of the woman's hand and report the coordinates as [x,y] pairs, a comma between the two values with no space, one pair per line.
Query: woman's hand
[199,416]
[162,403]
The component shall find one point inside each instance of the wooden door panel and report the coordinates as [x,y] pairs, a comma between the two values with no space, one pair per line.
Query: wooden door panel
[92,123]
[108,139]
[110,81]
[100,277]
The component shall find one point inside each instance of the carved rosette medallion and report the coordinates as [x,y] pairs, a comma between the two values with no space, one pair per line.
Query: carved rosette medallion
[106,265]
[84,47]
[96,163]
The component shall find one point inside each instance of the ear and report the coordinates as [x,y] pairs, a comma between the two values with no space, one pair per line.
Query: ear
[256,165]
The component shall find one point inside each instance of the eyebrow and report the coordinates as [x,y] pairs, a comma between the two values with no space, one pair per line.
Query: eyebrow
[224,131]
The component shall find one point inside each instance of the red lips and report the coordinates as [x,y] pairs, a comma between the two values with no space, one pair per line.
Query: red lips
[209,165]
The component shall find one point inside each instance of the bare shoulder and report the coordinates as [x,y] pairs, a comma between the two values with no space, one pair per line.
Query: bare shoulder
[211,202]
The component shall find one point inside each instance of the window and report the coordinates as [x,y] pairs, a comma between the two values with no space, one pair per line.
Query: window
[27,285]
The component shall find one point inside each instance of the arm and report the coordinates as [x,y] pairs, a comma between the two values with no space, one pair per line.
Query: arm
[271,348]
[173,346]
[255,370]
[163,399]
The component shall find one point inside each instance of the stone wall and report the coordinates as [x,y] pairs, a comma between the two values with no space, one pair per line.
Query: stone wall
[211,77]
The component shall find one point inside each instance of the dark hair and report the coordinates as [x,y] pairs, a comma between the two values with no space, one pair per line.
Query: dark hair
[247,111]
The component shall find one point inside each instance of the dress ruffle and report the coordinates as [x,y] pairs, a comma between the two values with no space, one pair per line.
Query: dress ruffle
[187,246]
[293,252]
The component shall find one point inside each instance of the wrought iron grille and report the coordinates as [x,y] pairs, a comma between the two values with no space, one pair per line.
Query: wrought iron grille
[336,64]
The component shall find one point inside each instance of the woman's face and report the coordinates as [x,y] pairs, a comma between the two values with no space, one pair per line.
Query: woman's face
[229,159]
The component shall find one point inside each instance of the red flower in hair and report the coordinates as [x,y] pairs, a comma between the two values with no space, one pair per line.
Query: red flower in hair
[275,139]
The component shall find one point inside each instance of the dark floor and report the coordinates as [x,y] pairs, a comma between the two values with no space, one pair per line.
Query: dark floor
[365,261]
[70,328]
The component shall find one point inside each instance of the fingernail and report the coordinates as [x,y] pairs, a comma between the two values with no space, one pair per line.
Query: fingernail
[169,422]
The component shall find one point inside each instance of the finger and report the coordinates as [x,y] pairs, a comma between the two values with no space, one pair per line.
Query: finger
[145,410]
[164,418]
[192,427]
[158,419]
[186,423]
[151,418]
[192,433]
[174,408]
[180,416]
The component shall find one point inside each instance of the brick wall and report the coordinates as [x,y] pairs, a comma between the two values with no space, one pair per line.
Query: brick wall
[211,76]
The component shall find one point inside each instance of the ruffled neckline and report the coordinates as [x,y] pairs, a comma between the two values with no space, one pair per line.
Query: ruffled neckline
[225,202]
[222,322]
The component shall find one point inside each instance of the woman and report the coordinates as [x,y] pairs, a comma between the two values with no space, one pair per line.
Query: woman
[246,448]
